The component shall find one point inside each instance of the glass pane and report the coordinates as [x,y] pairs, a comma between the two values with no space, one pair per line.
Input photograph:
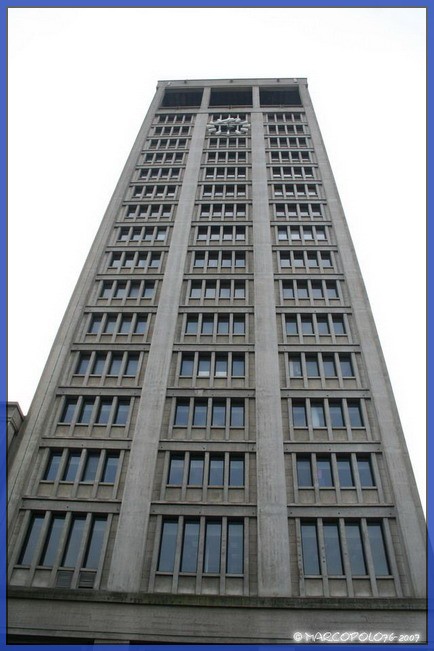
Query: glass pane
[329,365]
[207,325]
[52,466]
[212,547]
[191,327]
[304,472]
[291,326]
[98,365]
[126,325]
[324,470]
[238,366]
[345,473]
[237,414]
[218,413]
[68,410]
[86,411]
[332,549]
[204,366]
[199,414]
[235,548]
[110,468]
[239,325]
[365,473]
[122,412]
[223,326]
[355,414]
[309,545]
[195,475]
[91,466]
[74,540]
[355,549]
[82,365]
[312,366]
[288,290]
[307,326]
[317,290]
[378,549]
[189,547]
[168,546]
[221,366]
[110,324]
[236,471]
[95,324]
[338,325]
[346,366]
[181,414]
[115,365]
[299,414]
[104,411]
[51,546]
[317,414]
[295,366]
[176,469]
[187,366]
[336,415]
[71,467]
[94,545]
[323,325]
[216,466]
[132,365]
[31,541]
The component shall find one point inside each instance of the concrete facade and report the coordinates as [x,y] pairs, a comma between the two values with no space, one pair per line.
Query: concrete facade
[214,437]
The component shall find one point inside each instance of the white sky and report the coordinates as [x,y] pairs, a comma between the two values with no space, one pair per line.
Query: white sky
[80,82]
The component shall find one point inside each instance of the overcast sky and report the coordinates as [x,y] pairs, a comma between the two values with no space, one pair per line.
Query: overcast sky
[80,82]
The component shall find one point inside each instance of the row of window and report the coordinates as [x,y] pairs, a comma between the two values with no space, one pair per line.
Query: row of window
[166,143]
[207,469]
[171,131]
[326,413]
[301,233]
[222,211]
[292,156]
[85,410]
[225,173]
[113,364]
[219,324]
[219,260]
[220,234]
[285,172]
[118,324]
[221,553]
[289,143]
[288,129]
[218,191]
[221,289]
[84,466]
[227,143]
[154,191]
[325,544]
[315,324]
[205,365]
[310,289]
[327,471]
[135,260]
[226,157]
[135,289]
[163,158]
[149,234]
[159,174]
[149,211]
[284,117]
[209,412]
[306,259]
[324,365]
[174,118]
[291,190]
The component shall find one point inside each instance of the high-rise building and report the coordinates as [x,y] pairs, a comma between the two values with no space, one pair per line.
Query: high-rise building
[214,453]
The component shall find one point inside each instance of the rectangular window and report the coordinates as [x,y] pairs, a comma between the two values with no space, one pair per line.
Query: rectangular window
[105,407]
[329,365]
[223,325]
[181,413]
[378,549]
[299,414]
[204,366]
[31,541]
[355,414]
[70,555]
[200,413]
[336,415]
[187,365]
[212,547]
[195,474]
[83,364]
[309,544]
[291,325]
[191,326]
[122,412]
[176,469]
[190,547]
[91,466]
[295,369]
[304,472]
[365,472]
[238,369]
[312,367]
[324,470]
[332,549]
[68,410]
[236,471]
[355,549]
[169,534]
[70,472]
[52,468]
[110,468]
[235,548]
[346,366]
[95,542]
[218,413]
[51,547]
[317,414]
[237,414]
[216,468]
[345,473]
[239,325]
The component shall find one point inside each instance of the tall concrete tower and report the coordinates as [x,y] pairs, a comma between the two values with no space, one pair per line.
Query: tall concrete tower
[214,453]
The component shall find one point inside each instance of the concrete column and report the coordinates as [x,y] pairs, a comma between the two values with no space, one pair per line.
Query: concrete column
[410,514]
[129,547]
[273,538]
[42,404]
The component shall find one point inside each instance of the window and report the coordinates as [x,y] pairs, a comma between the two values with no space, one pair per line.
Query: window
[346,366]
[122,412]
[355,549]
[312,367]
[365,472]
[216,470]
[195,474]
[237,414]
[53,464]
[110,468]
[68,410]
[378,549]
[235,548]
[190,547]
[70,472]
[218,413]
[31,540]
[304,472]
[187,362]
[332,549]
[200,413]
[336,415]
[176,469]
[51,546]
[83,363]
[345,473]
[317,414]
[169,534]
[181,413]
[324,470]
[299,414]
[212,547]
[354,414]
[295,369]
[236,471]
[309,543]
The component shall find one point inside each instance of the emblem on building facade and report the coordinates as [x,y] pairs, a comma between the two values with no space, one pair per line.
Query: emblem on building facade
[234,126]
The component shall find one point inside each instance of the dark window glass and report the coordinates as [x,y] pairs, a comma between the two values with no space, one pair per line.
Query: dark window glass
[168,546]
[212,547]
[122,412]
[323,325]
[110,468]
[187,365]
[141,324]
[307,326]
[126,323]
[190,547]
[287,290]
[332,291]
[70,472]
[207,325]
[91,466]
[74,541]
[239,325]
[31,541]
[336,415]
[346,366]
[295,369]
[216,467]
[83,364]
[94,545]
[329,365]
[309,545]
[291,325]
[200,413]
[204,366]
[338,325]
[132,365]
[218,413]
[176,469]
[51,547]
[105,406]
[345,473]
[195,474]
[355,549]
[237,414]
[355,414]
[86,411]
[235,548]
[332,549]
[317,290]
[223,325]
[236,471]
[191,327]
[110,324]
[116,363]
[238,369]
[299,414]
[95,324]
[221,366]
[317,414]
[365,473]
[181,413]
[312,366]
[68,410]
[304,472]
[99,363]
[52,468]
[378,549]
[324,469]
